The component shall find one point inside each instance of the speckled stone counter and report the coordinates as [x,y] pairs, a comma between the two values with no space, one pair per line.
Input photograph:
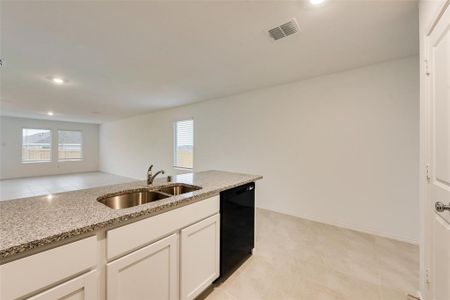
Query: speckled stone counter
[34,223]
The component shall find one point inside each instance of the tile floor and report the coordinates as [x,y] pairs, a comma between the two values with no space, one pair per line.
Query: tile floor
[300,259]
[35,186]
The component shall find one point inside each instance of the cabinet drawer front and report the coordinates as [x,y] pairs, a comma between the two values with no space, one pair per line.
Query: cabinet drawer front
[24,276]
[83,287]
[200,256]
[147,273]
[130,237]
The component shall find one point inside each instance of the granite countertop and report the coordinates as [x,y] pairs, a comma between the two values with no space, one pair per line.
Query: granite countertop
[31,223]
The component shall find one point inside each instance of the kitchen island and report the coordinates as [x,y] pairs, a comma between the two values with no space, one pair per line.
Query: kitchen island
[43,231]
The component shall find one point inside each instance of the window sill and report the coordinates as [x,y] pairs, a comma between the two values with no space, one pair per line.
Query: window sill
[36,162]
[70,160]
[183,169]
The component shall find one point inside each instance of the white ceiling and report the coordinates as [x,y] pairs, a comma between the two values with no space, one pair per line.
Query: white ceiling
[127,58]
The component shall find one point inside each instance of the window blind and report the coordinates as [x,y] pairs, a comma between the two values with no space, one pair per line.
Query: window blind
[184,144]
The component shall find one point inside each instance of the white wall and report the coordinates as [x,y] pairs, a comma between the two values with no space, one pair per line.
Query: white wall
[11,153]
[340,149]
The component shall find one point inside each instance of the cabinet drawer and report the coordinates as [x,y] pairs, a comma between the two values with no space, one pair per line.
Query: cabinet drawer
[127,238]
[24,276]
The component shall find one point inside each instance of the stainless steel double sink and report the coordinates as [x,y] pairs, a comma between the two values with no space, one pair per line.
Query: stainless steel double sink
[141,196]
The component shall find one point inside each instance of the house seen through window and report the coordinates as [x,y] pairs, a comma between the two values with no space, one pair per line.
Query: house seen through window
[36,145]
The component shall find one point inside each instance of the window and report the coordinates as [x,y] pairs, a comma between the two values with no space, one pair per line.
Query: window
[184,144]
[36,145]
[69,145]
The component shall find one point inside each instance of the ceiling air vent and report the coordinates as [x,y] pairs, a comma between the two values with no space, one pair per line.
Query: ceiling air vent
[284,30]
[276,33]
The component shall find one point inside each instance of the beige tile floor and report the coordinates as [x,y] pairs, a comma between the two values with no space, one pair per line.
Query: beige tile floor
[43,185]
[300,259]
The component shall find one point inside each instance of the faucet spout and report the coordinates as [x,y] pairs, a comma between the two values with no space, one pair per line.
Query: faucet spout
[150,176]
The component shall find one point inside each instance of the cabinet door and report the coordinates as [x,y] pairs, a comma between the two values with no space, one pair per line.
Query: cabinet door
[83,287]
[148,273]
[200,256]
[26,276]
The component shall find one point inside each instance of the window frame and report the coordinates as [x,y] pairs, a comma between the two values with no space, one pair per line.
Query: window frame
[175,144]
[36,161]
[57,146]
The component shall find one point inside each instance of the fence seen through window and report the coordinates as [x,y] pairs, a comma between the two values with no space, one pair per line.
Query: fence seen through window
[69,145]
[36,145]
[184,144]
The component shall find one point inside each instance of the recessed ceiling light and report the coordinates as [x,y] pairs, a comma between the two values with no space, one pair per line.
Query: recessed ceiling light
[58,80]
[316,2]
[50,113]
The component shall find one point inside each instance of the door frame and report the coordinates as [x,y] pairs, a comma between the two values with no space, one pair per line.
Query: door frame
[426,211]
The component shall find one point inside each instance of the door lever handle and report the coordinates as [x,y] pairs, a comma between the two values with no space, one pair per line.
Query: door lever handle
[440,207]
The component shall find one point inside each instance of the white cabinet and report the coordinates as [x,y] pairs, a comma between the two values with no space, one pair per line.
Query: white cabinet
[83,287]
[200,256]
[138,261]
[34,273]
[133,236]
[148,273]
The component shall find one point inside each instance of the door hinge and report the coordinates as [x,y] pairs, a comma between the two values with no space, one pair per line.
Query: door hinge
[428,170]
[427,277]
[427,69]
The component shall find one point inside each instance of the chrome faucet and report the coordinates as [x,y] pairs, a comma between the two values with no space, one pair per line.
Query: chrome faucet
[150,176]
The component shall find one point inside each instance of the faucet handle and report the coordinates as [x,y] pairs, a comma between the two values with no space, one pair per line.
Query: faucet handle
[150,169]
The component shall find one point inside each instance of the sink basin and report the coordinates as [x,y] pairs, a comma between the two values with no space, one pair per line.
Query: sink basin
[131,198]
[141,196]
[178,189]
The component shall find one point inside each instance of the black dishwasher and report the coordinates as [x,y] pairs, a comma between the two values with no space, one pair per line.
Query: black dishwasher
[237,227]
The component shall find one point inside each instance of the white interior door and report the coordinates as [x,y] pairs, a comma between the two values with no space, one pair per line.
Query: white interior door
[439,149]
